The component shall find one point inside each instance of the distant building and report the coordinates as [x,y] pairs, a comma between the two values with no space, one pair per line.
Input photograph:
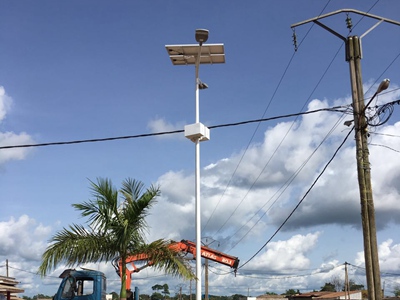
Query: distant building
[271,297]
[9,289]
[352,295]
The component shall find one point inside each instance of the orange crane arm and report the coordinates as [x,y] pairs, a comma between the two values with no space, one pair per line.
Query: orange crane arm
[183,246]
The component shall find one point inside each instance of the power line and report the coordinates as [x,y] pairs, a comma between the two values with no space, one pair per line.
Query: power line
[34,273]
[283,139]
[282,189]
[91,140]
[258,125]
[384,146]
[301,200]
[337,108]
[287,183]
[385,134]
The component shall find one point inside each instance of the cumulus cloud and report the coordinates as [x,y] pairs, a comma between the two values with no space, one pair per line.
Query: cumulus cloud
[19,235]
[5,103]
[389,256]
[9,138]
[286,256]
[270,179]
[249,192]
[157,125]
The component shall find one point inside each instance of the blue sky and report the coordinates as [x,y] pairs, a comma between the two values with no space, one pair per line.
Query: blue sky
[77,70]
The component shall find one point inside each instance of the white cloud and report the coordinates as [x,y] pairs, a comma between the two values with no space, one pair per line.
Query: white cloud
[10,138]
[389,256]
[5,103]
[286,256]
[271,180]
[161,125]
[23,238]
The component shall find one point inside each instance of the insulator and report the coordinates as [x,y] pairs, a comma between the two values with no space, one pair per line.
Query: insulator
[294,40]
[349,23]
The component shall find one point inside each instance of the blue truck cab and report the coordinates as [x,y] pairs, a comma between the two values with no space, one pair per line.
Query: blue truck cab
[82,285]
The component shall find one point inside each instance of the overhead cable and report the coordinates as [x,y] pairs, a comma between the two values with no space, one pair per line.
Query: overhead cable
[301,200]
[337,108]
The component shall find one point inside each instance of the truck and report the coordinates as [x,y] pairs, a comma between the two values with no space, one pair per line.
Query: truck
[89,284]
[84,284]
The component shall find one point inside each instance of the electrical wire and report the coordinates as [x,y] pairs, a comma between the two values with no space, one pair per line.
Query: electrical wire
[281,142]
[385,134]
[257,127]
[249,142]
[279,228]
[301,200]
[91,140]
[282,189]
[34,273]
[336,108]
[384,146]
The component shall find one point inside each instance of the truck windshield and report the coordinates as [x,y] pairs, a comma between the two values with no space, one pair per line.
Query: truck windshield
[69,288]
[75,287]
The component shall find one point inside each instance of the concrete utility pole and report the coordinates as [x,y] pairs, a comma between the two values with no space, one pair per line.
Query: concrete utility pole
[346,282]
[353,57]
[207,242]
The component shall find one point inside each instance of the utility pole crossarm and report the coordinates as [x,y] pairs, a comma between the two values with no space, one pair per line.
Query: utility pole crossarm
[346,10]
[330,30]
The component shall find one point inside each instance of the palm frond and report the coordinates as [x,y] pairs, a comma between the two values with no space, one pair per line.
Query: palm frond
[103,207]
[136,208]
[76,245]
[131,189]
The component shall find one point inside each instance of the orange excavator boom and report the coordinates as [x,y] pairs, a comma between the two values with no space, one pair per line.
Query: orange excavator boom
[183,246]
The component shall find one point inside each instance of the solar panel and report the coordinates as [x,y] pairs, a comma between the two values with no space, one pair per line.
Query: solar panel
[186,54]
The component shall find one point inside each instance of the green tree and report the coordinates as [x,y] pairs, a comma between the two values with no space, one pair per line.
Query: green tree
[328,287]
[396,291]
[238,297]
[292,292]
[156,296]
[354,286]
[163,288]
[144,297]
[157,287]
[117,228]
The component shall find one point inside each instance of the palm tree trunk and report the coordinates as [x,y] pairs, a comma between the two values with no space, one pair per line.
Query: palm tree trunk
[122,295]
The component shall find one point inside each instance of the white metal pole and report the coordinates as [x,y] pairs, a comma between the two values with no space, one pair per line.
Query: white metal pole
[197,187]
[198,223]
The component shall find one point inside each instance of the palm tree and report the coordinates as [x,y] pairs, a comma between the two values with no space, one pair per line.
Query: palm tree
[116,229]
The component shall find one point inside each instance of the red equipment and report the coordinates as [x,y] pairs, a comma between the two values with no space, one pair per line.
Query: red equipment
[183,246]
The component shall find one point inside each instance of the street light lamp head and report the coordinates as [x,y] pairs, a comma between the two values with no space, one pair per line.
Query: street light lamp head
[201,36]
[383,86]
[348,123]
[202,85]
